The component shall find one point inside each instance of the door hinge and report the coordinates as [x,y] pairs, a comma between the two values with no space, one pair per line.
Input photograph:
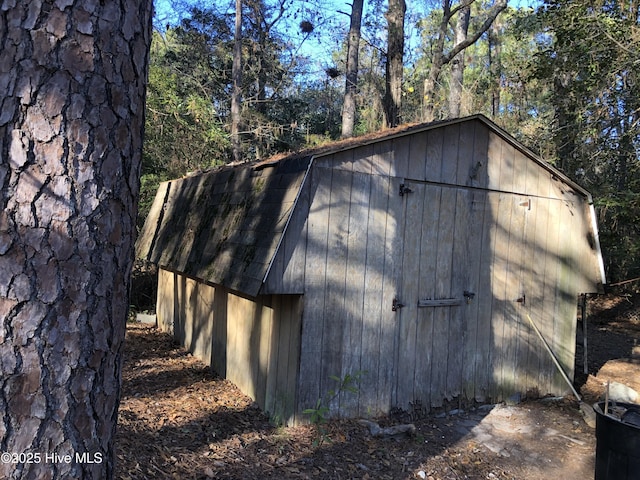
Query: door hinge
[396,305]
[404,189]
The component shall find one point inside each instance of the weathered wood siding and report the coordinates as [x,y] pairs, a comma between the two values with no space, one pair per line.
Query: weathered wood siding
[483,218]
[483,236]
[253,342]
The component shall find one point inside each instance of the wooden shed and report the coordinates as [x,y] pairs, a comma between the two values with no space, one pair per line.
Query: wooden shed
[413,257]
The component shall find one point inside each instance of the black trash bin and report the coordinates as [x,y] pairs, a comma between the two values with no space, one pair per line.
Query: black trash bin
[617,445]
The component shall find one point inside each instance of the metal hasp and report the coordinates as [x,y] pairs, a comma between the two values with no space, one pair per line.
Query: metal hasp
[469,295]
[404,189]
[396,305]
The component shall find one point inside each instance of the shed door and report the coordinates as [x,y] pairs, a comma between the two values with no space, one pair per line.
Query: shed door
[445,335]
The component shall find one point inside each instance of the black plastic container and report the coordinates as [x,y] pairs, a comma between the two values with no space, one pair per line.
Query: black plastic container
[617,446]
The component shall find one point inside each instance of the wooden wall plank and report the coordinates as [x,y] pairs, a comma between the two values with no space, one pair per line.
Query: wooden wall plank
[513,291]
[450,145]
[528,356]
[433,164]
[427,290]
[547,323]
[485,208]
[401,149]
[286,356]
[344,160]
[449,316]
[316,266]
[356,260]
[335,283]
[479,173]
[441,328]
[265,312]
[272,395]
[390,285]
[165,303]
[408,295]
[466,254]
[567,292]
[494,164]
[375,312]
[417,157]
[180,308]
[500,281]
[536,245]
[288,269]
[293,306]
[220,331]
[466,168]
[382,162]
[364,159]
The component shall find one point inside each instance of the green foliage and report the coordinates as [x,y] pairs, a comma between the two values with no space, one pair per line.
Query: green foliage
[319,414]
[562,78]
[184,131]
[588,60]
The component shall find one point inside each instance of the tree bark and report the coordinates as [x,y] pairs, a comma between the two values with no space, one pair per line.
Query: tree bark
[395,67]
[457,63]
[353,46]
[236,92]
[495,67]
[72,91]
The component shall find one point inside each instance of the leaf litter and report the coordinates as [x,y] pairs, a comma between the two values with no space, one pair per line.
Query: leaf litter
[179,420]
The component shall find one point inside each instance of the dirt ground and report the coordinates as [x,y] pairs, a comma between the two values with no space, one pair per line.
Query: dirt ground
[179,421]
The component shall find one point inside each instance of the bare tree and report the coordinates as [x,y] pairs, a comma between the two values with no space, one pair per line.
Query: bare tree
[351,85]
[461,31]
[72,90]
[480,23]
[395,66]
[236,92]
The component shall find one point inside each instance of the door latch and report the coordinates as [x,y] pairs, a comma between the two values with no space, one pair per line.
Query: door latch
[404,189]
[396,305]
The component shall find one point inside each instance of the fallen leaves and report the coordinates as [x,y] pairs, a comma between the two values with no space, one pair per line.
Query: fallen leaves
[178,420]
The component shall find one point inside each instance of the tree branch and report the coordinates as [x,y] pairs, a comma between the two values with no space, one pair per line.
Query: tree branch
[498,7]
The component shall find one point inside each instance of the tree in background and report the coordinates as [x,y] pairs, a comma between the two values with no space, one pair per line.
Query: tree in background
[352,65]
[440,55]
[561,79]
[460,35]
[589,61]
[236,85]
[394,62]
[73,82]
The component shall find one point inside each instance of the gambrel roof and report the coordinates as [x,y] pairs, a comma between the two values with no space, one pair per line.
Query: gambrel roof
[224,226]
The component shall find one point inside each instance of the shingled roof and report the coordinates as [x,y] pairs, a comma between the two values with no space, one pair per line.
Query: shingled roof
[223,226]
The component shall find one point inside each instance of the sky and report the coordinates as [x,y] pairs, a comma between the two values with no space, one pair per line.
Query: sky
[320,47]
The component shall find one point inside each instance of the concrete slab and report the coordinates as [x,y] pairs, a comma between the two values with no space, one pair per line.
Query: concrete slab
[146,318]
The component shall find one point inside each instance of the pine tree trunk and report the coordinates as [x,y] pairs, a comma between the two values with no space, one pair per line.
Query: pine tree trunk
[457,63]
[495,67]
[72,90]
[394,68]
[351,86]
[236,93]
